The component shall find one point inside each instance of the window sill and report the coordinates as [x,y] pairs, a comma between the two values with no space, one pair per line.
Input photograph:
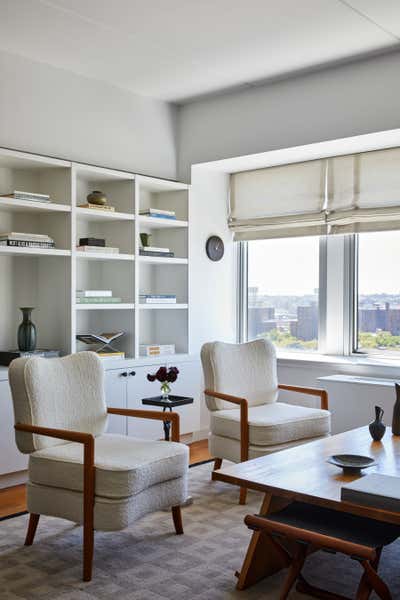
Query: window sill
[354,364]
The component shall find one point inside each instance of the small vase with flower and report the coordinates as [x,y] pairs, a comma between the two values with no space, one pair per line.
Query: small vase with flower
[165,377]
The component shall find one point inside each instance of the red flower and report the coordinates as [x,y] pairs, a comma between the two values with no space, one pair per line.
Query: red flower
[163,374]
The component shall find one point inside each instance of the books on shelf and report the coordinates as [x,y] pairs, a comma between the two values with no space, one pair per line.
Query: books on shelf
[158,213]
[155,249]
[145,252]
[98,300]
[156,349]
[89,293]
[157,298]
[98,249]
[90,241]
[9,355]
[31,196]
[110,354]
[26,240]
[104,207]
[99,338]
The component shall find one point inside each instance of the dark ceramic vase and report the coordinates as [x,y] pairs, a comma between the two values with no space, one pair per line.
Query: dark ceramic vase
[377,428]
[26,332]
[396,412]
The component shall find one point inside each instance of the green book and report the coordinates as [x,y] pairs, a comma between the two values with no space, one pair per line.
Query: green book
[98,300]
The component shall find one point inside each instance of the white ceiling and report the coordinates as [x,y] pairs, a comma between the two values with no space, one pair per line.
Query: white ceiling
[176,50]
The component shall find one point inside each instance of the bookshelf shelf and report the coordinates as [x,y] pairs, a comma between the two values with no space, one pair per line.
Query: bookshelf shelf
[93,215]
[50,284]
[14,205]
[104,256]
[10,251]
[105,306]
[158,223]
[160,260]
[163,306]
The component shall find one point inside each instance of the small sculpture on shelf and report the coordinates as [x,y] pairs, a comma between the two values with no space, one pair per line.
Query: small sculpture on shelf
[97,197]
[165,377]
[377,428]
[26,331]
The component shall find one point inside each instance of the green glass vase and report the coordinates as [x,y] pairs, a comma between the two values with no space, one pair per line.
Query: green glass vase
[26,331]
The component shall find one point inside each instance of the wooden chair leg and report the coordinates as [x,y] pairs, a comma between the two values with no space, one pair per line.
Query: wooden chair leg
[376,582]
[294,570]
[30,534]
[177,518]
[217,464]
[88,549]
[242,495]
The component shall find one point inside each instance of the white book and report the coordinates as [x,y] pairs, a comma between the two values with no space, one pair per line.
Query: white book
[158,300]
[94,293]
[98,249]
[156,349]
[31,194]
[154,249]
[14,235]
[157,211]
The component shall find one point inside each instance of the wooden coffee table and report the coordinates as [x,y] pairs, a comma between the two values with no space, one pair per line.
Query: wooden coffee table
[302,473]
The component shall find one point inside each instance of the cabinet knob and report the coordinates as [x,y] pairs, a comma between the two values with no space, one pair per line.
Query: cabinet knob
[132,373]
[124,374]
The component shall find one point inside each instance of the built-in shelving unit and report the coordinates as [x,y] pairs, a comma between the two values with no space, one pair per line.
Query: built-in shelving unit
[49,278]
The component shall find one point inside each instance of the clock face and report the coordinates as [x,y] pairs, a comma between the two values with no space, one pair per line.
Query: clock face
[215,248]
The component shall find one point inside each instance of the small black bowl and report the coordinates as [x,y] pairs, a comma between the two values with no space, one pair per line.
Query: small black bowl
[351,462]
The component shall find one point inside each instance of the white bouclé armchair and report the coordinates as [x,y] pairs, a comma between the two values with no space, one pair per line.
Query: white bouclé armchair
[246,418]
[76,470]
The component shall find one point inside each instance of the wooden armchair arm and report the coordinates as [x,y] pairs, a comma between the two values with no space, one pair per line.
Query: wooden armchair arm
[87,439]
[244,419]
[173,417]
[323,394]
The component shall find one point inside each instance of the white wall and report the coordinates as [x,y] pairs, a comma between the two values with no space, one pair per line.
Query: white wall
[354,99]
[51,111]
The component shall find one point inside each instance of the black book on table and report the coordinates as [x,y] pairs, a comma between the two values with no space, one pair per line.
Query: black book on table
[91,241]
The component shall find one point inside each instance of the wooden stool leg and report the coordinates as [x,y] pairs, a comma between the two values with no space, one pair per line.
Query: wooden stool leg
[242,495]
[294,570]
[217,464]
[364,589]
[30,534]
[177,518]
[376,582]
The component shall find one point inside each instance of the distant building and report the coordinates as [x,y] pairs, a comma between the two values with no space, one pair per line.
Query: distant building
[379,318]
[260,320]
[306,326]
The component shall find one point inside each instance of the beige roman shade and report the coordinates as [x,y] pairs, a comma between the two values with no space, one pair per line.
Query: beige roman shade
[345,194]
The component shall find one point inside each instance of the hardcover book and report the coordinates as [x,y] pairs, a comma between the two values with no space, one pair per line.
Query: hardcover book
[89,293]
[143,252]
[98,300]
[90,241]
[376,490]
[9,355]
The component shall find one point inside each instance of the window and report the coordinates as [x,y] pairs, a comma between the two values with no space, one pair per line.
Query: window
[282,292]
[378,294]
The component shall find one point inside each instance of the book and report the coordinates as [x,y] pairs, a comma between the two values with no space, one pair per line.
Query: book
[33,197]
[103,207]
[111,354]
[146,253]
[92,242]
[158,216]
[157,295]
[98,249]
[96,293]
[157,211]
[376,490]
[9,355]
[98,300]
[99,338]
[26,244]
[154,249]
[157,300]
[156,349]
[40,237]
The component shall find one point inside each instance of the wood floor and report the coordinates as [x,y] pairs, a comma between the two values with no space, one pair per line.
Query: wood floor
[13,499]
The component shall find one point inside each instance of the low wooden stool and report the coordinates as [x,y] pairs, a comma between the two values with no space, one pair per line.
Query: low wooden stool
[313,528]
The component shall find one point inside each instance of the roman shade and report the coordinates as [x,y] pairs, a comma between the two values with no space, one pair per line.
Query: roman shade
[344,194]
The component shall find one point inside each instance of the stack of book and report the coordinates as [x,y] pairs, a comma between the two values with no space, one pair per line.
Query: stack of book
[158,213]
[32,197]
[103,342]
[96,297]
[156,349]
[157,298]
[153,251]
[26,240]
[103,207]
[91,244]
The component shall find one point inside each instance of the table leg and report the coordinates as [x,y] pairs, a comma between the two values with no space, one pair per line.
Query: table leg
[261,558]
[167,426]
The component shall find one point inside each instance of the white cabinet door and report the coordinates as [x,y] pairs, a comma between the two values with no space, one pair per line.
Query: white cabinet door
[138,388]
[116,394]
[11,460]
[188,384]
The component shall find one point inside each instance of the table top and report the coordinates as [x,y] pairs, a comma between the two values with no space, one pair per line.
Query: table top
[171,403]
[302,473]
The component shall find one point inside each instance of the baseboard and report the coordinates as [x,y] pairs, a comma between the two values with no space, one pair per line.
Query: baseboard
[12,479]
[202,434]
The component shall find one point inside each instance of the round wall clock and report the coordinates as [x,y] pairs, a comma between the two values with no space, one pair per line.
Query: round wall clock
[215,248]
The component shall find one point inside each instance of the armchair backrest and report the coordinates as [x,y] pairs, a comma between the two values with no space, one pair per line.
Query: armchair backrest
[61,393]
[245,370]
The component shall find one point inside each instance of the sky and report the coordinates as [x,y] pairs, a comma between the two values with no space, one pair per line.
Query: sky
[290,266]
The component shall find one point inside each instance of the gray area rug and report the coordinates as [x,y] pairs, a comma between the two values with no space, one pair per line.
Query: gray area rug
[148,562]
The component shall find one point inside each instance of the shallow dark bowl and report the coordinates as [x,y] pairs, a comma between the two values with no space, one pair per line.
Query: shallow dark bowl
[351,462]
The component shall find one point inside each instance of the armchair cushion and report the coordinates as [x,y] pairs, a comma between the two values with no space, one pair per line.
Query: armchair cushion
[125,466]
[272,424]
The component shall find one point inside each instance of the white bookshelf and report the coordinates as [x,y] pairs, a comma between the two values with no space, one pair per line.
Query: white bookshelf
[48,279]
